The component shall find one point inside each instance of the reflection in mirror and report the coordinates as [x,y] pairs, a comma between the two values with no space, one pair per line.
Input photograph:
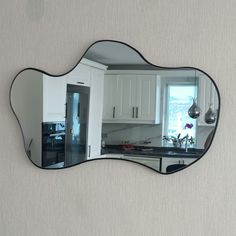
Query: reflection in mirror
[114,104]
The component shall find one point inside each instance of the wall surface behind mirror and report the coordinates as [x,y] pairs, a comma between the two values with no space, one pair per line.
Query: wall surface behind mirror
[115,197]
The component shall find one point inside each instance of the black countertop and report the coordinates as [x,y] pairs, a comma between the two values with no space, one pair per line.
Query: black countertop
[153,151]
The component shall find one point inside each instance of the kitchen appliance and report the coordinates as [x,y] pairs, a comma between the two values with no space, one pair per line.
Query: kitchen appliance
[53,144]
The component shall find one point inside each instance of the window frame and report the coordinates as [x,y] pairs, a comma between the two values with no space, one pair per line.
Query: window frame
[185,81]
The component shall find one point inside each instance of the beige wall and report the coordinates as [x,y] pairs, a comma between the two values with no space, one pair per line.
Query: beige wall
[115,197]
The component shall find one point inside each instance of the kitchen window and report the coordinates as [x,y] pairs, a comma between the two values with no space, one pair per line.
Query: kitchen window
[178,99]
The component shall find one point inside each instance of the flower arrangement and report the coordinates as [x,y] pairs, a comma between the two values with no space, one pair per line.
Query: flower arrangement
[177,140]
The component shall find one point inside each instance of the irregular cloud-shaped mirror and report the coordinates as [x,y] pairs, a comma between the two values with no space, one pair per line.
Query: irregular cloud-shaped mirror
[114,104]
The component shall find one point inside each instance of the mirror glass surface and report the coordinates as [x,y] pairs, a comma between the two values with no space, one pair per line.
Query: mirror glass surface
[114,104]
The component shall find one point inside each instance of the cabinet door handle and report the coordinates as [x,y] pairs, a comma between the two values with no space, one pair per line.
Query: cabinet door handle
[80,82]
[78,112]
[114,112]
[66,110]
[136,112]
[89,150]
[133,113]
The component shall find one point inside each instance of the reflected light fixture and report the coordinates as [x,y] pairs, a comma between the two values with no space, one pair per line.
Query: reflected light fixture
[210,116]
[194,111]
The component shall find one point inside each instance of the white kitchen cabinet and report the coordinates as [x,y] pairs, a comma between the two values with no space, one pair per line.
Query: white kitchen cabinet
[147,98]
[126,97]
[54,98]
[95,113]
[131,97]
[110,96]
[118,97]
[91,74]
[167,161]
[207,95]
[153,162]
[79,76]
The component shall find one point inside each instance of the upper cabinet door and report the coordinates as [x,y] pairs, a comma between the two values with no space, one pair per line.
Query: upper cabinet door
[54,99]
[126,98]
[145,97]
[110,97]
[79,76]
